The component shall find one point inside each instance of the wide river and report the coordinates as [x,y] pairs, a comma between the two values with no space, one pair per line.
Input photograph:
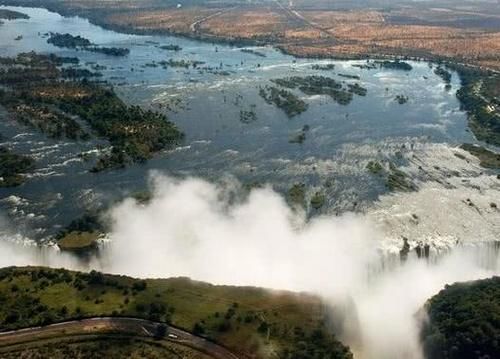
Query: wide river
[206,105]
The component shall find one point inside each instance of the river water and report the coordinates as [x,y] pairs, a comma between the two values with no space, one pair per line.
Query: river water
[206,105]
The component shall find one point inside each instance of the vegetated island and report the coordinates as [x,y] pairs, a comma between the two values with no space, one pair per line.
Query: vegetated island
[13,167]
[443,73]
[12,15]
[395,65]
[82,234]
[253,52]
[246,320]
[321,85]
[325,67]
[290,103]
[248,116]
[35,94]
[78,42]
[463,321]
[170,47]
[401,99]
[395,179]
[180,63]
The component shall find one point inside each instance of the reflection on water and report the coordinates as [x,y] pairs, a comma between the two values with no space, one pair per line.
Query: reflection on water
[206,103]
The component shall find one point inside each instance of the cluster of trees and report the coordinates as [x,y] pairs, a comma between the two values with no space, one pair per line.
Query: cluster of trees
[73,42]
[395,65]
[464,321]
[253,52]
[320,85]
[68,40]
[180,63]
[317,344]
[170,47]
[20,307]
[74,73]
[401,99]
[327,67]
[443,73]
[135,134]
[283,99]
[27,75]
[476,96]
[12,167]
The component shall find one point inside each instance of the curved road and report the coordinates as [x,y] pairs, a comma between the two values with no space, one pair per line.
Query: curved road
[122,325]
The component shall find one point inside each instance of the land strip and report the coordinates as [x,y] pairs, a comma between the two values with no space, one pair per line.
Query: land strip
[134,327]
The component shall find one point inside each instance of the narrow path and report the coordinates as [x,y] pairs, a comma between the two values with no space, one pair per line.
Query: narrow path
[194,27]
[122,325]
[298,16]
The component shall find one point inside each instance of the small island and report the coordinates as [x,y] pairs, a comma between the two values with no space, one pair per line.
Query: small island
[253,52]
[443,73]
[283,99]
[395,65]
[78,42]
[401,99]
[180,63]
[13,167]
[321,85]
[12,15]
[326,67]
[170,47]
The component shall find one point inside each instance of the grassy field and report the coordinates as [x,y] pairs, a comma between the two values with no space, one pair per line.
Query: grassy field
[253,321]
[78,241]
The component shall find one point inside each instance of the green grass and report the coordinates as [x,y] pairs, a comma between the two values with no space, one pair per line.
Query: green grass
[245,319]
[78,241]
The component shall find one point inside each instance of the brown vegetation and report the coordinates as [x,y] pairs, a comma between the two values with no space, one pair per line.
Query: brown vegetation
[454,30]
[171,20]
[262,23]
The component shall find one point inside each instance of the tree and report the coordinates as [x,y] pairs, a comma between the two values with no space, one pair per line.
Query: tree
[161,331]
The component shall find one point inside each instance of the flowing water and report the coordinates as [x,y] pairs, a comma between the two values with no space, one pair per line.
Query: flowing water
[205,102]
